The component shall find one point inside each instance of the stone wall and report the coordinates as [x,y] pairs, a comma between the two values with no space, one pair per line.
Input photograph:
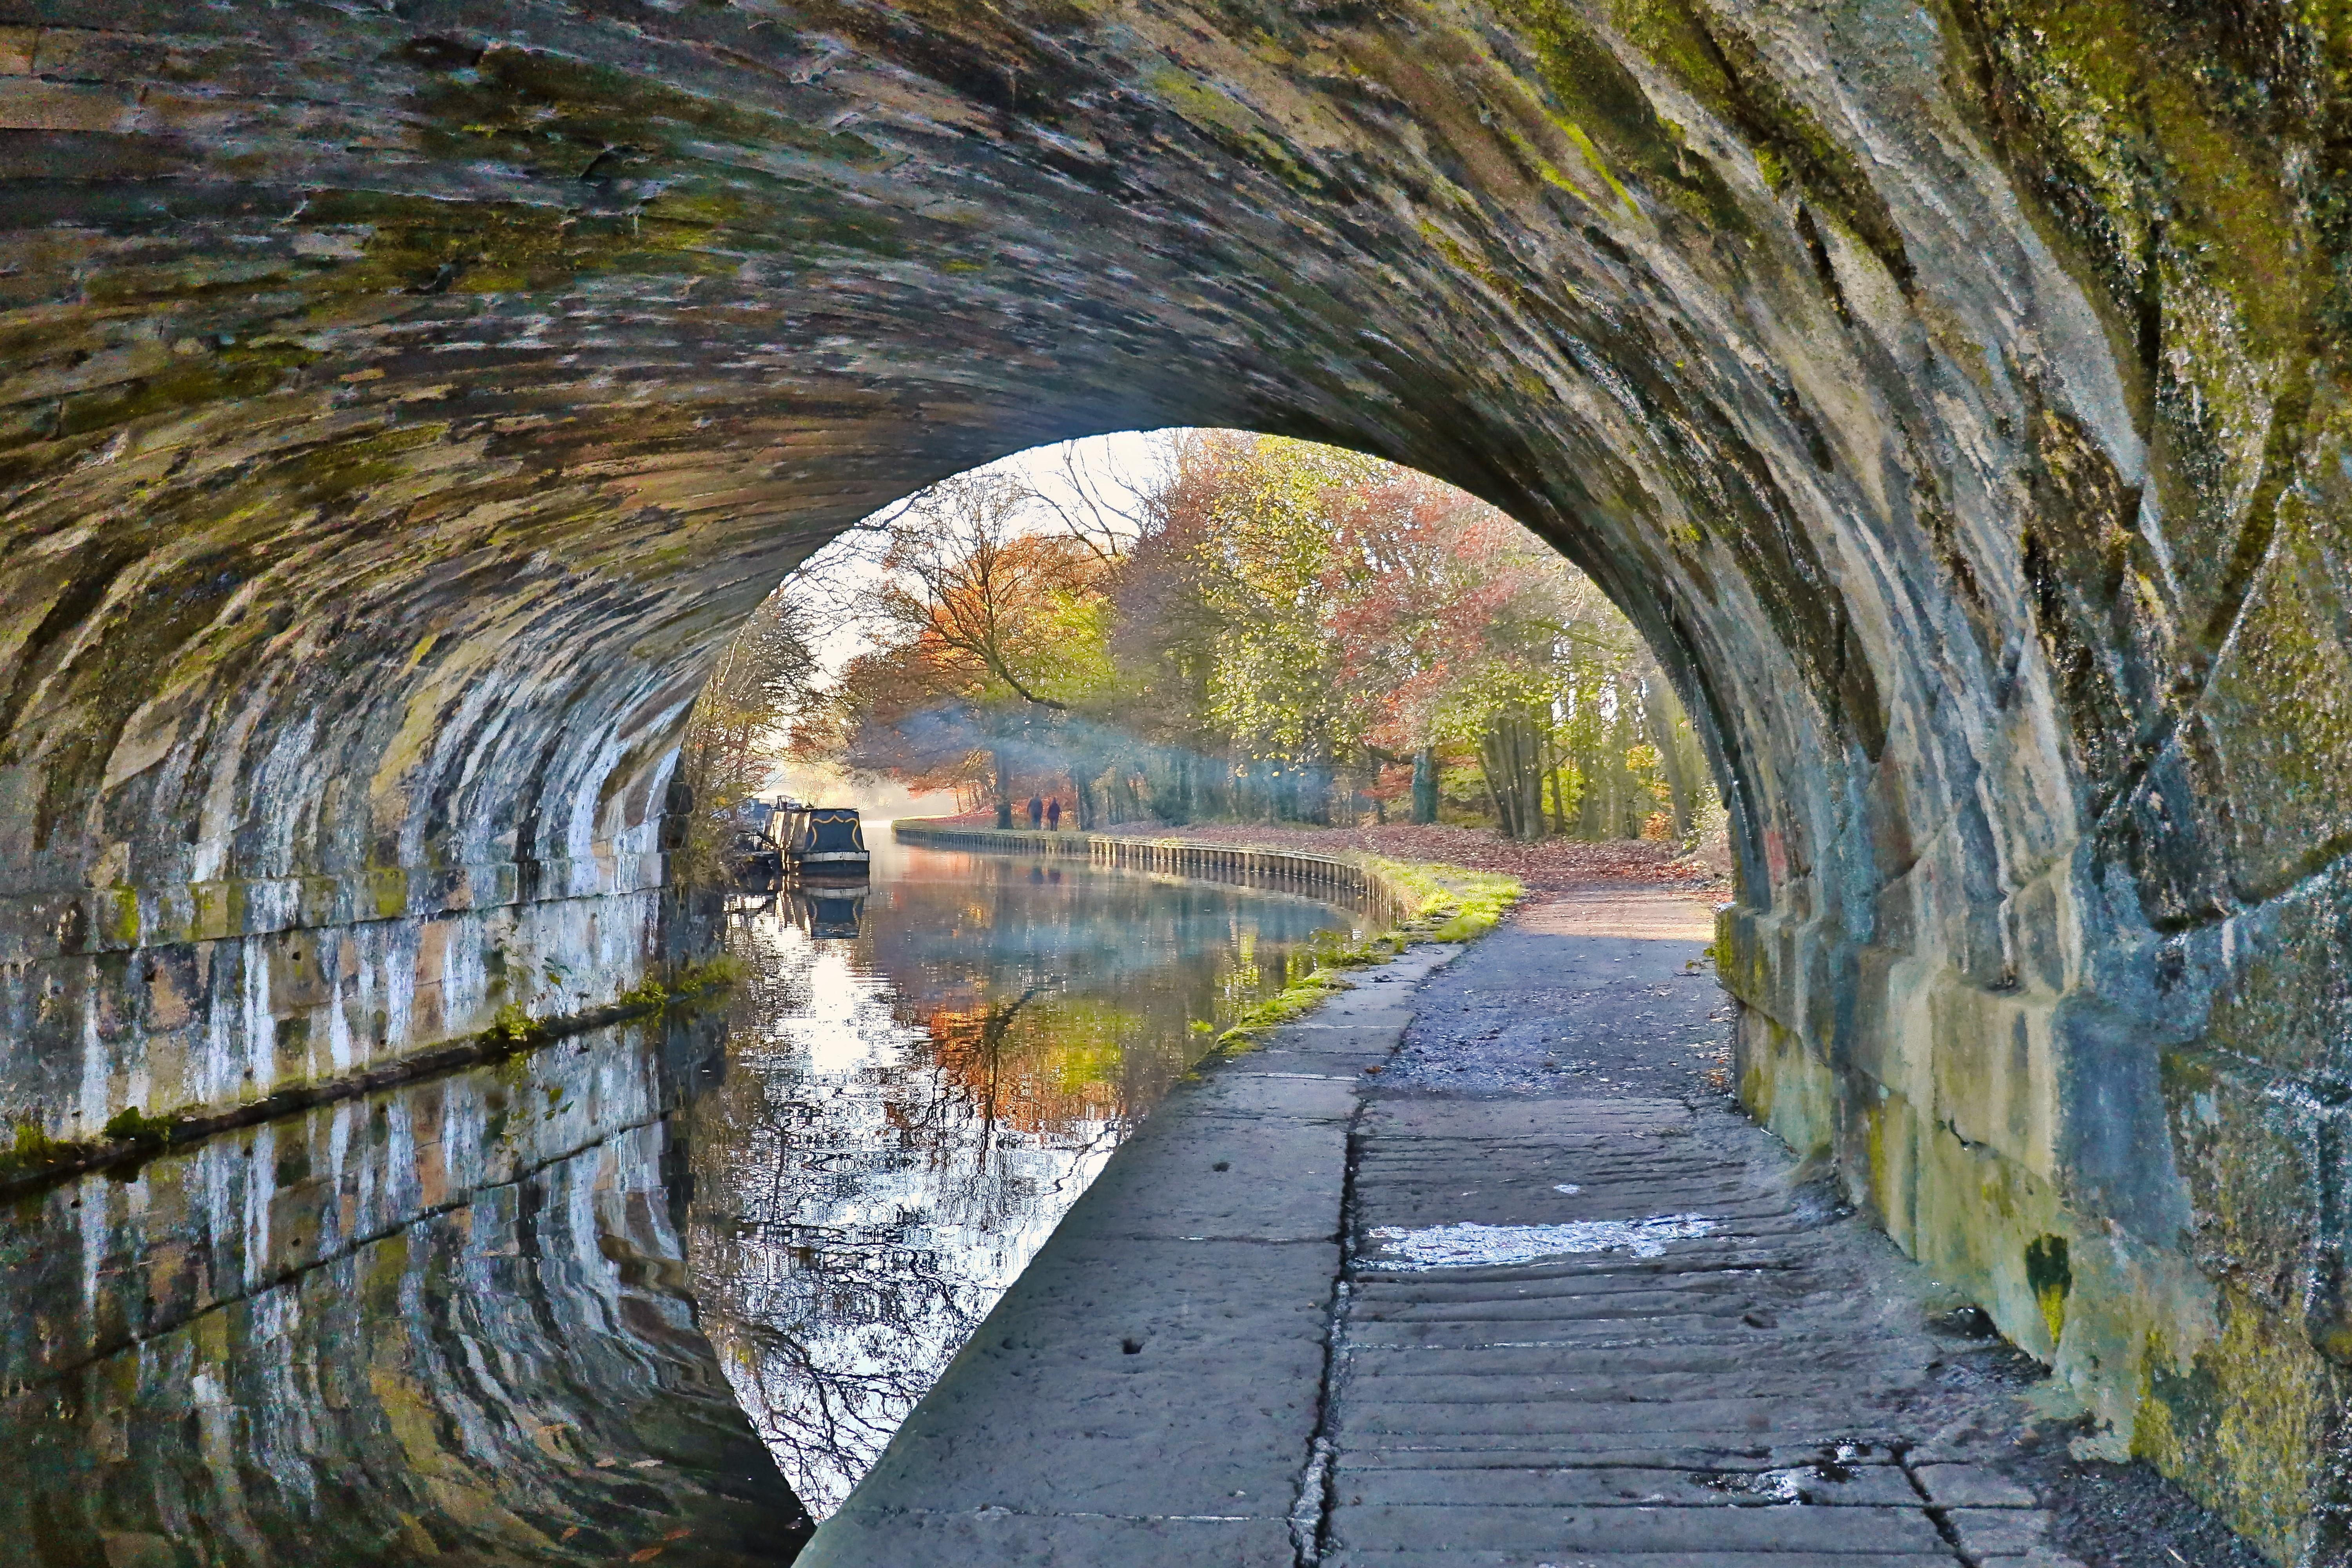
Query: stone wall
[402,403]
[447,1320]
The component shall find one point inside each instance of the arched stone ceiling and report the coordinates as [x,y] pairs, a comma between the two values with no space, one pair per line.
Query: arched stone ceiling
[403,401]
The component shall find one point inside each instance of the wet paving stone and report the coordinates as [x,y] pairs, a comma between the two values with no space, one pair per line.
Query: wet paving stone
[1648,1342]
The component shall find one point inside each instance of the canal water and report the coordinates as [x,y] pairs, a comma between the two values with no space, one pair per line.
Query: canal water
[917,1084]
[657,1293]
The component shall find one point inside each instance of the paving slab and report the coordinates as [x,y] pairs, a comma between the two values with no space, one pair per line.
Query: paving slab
[2000,1532]
[1220,1176]
[1971,1485]
[1051,1541]
[1297,1096]
[1793,1526]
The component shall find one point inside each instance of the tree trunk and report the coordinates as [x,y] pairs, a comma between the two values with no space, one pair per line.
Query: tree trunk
[1003,789]
[1553,756]
[1498,796]
[1633,802]
[1425,786]
[1503,758]
[1590,806]
[1496,760]
[1510,755]
[1659,716]
[1530,762]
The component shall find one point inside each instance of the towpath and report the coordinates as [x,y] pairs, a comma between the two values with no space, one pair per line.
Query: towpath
[1480,1266]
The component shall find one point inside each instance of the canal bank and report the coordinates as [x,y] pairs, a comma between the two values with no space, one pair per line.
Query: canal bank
[918,1079]
[1477,1264]
[1150,1389]
[1455,902]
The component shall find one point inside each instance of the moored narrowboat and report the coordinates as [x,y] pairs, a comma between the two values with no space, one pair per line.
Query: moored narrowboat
[821,839]
[751,846]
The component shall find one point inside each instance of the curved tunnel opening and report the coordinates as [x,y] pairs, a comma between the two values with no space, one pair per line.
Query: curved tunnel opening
[1043,594]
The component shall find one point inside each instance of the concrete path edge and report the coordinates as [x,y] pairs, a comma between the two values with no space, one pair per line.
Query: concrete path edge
[1150,1390]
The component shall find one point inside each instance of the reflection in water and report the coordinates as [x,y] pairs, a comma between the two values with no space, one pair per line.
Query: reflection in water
[447,1321]
[829,910]
[452,1320]
[900,1120]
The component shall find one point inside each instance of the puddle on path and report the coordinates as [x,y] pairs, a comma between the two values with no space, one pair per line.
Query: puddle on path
[916,1085]
[1502,1245]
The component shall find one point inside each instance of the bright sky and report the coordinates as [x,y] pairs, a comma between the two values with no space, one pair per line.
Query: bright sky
[1117,463]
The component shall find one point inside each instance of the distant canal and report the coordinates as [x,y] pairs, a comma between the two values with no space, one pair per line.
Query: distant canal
[915,1086]
[520,1314]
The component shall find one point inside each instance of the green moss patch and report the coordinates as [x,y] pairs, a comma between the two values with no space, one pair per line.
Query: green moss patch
[130,1125]
[2050,1278]
[1444,903]
[31,1149]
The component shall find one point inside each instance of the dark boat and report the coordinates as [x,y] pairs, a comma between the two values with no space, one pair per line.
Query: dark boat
[751,849]
[820,839]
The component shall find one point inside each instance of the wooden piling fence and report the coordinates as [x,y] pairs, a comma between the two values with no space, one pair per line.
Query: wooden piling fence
[1327,877]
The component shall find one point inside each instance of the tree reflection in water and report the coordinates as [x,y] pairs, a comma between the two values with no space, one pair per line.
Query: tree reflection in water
[902,1117]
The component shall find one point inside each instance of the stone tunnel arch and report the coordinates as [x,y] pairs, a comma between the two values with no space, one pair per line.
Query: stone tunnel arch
[404,402]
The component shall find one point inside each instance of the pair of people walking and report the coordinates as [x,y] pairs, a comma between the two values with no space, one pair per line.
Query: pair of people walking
[1049,812]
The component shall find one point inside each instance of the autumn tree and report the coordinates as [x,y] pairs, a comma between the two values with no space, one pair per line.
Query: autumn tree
[989,630]
[1426,587]
[1295,610]
[1246,527]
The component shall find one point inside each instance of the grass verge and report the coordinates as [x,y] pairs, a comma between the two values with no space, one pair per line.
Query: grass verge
[1440,903]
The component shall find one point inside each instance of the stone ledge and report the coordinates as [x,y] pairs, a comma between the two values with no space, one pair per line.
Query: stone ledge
[124,917]
[28,1169]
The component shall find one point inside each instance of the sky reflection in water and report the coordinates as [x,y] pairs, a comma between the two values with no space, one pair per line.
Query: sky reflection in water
[905,1115]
